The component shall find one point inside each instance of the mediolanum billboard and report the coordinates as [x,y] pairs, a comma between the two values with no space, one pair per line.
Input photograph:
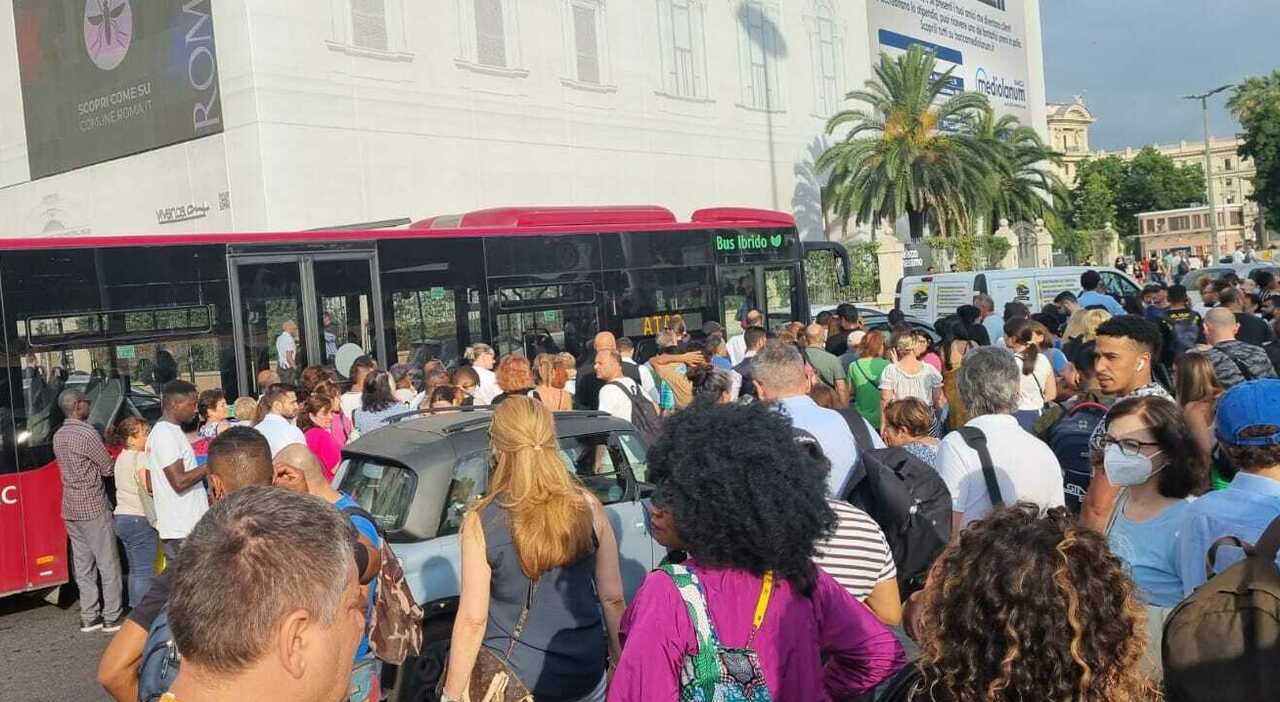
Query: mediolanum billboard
[108,78]
[984,40]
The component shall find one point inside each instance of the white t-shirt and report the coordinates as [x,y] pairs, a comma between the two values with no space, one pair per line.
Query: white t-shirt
[280,432]
[1026,469]
[615,401]
[1031,391]
[737,348]
[285,344]
[176,514]
[350,402]
[488,387]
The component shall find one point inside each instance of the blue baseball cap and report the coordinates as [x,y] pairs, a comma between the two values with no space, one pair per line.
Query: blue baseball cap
[1247,405]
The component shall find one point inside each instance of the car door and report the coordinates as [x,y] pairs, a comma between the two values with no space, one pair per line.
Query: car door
[602,464]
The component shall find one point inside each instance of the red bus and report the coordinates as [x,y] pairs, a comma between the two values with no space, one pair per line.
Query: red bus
[121,315]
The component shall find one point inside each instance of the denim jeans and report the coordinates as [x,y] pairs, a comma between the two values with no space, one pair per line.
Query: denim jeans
[139,539]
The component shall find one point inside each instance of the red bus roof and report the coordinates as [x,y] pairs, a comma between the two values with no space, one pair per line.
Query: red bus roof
[508,221]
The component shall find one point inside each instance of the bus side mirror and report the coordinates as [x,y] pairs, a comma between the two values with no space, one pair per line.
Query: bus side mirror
[841,254]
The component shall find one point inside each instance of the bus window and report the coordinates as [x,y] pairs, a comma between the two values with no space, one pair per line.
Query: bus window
[737,297]
[271,300]
[780,293]
[96,320]
[432,299]
[343,291]
[648,301]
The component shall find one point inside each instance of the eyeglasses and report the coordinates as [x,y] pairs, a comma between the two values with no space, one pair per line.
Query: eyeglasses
[1128,447]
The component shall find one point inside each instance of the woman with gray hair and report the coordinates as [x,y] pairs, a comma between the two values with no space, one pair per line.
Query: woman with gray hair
[1023,467]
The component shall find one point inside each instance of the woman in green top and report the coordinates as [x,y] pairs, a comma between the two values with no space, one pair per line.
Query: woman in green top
[864,376]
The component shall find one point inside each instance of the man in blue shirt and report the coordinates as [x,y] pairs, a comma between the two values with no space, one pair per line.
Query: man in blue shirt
[1090,282]
[1248,426]
[778,374]
[298,469]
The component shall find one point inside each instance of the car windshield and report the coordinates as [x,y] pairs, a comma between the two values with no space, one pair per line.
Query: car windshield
[383,490]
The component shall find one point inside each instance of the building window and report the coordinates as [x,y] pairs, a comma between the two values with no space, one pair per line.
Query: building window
[369,28]
[1228,182]
[586,52]
[683,47]
[1226,164]
[826,42]
[490,34]
[759,53]
[369,24]
[1237,218]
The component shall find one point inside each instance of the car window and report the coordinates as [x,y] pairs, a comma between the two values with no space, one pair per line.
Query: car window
[1116,285]
[470,478]
[385,491]
[637,455]
[596,462]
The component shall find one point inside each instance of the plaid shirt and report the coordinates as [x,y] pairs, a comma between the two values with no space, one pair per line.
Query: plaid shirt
[83,461]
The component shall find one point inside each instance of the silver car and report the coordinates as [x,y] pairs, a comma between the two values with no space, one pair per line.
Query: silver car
[1193,278]
[419,476]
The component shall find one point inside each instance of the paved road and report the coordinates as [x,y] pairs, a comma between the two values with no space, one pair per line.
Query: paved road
[44,656]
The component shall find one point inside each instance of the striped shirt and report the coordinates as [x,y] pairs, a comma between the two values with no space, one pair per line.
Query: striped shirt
[856,555]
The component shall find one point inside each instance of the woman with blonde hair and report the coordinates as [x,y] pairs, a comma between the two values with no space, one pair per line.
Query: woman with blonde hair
[908,376]
[1081,329]
[541,587]
[550,376]
[1198,393]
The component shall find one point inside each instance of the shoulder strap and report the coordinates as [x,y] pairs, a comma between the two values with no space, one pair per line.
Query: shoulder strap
[861,433]
[358,511]
[977,441]
[1269,543]
[521,621]
[1244,370]
[690,590]
[865,379]
[1121,501]
[1086,405]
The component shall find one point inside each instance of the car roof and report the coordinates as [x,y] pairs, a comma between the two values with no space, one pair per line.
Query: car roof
[414,441]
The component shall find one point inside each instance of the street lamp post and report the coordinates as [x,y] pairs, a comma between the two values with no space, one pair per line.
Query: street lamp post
[1208,170]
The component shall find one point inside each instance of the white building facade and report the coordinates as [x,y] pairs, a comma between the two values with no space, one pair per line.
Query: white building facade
[335,112]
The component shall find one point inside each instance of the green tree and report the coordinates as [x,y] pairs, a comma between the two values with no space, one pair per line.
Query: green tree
[894,159]
[1093,202]
[1023,185]
[1256,105]
[1149,182]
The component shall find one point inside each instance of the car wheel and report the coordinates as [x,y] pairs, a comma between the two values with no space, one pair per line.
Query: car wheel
[417,678]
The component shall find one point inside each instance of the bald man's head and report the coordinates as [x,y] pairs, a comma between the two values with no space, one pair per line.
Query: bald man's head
[238,458]
[1220,325]
[605,340]
[300,458]
[814,333]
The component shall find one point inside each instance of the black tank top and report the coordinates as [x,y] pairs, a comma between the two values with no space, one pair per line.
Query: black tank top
[561,653]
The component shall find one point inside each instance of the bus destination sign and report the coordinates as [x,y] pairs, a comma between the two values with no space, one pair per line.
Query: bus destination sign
[748,242]
[654,323]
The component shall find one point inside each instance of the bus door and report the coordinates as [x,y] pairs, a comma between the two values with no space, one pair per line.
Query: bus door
[772,289]
[534,318]
[298,309]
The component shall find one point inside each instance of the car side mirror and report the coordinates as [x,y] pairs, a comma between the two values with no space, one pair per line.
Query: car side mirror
[646,490]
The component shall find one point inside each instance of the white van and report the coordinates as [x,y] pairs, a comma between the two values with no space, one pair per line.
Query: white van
[932,296]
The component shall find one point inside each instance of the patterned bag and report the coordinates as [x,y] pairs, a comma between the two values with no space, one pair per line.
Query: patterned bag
[396,630]
[716,673]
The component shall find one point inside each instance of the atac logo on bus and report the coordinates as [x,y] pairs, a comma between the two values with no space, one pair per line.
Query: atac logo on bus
[108,31]
[1022,291]
[748,242]
[1011,92]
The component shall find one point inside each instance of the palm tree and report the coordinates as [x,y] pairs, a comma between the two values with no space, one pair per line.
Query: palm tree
[896,159]
[1023,184]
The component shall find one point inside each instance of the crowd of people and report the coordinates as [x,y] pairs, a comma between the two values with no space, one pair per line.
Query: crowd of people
[1087,457]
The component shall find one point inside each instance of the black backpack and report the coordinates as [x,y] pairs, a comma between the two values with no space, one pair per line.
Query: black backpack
[1187,331]
[644,416]
[912,505]
[1069,440]
[907,498]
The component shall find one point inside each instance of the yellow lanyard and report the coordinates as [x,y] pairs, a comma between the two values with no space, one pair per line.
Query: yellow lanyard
[762,604]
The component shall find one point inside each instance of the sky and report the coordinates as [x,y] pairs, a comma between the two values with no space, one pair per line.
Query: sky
[1132,59]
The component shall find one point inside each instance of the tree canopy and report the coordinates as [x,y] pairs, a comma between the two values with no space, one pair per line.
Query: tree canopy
[1256,105]
[1149,182]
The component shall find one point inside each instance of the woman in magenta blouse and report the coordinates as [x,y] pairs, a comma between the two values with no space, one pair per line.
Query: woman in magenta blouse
[315,419]
[741,508]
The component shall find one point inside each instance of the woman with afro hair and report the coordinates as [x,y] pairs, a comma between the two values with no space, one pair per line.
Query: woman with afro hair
[746,500]
[1025,607]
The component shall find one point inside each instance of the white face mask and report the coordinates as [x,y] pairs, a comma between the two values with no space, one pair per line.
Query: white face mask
[1124,471]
